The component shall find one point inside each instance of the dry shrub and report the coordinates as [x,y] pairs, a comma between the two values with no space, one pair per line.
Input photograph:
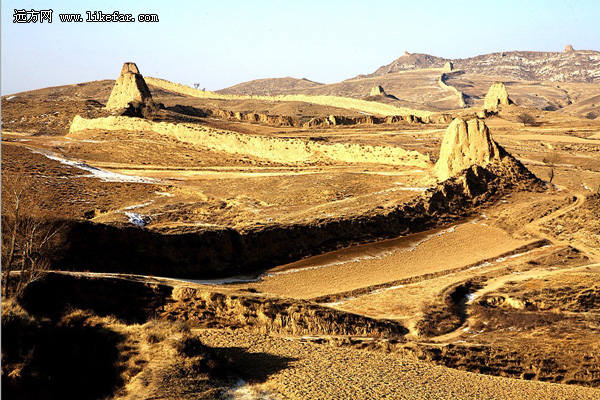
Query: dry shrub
[70,358]
[189,346]
[499,318]
[157,330]
[551,161]
[28,241]
[526,119]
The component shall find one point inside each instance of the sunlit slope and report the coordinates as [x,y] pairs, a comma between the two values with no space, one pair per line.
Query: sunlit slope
[370,107]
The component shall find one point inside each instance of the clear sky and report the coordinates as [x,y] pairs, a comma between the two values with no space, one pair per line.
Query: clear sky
[221,43]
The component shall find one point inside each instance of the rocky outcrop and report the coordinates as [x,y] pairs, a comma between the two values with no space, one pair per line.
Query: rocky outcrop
[569,49]
[129,87]
[495,96]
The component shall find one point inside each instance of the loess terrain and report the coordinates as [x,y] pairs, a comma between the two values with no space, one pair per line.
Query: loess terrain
[273,241]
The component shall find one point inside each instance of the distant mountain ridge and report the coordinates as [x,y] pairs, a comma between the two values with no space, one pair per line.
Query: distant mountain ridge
[409,61]
[566,66]
[542,80]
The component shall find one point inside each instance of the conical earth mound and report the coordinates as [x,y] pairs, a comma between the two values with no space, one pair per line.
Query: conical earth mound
[465,143]
[377,91]
[129,87]
[496,95]
[469,143]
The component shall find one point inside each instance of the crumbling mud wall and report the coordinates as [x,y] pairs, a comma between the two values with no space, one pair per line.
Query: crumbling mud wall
[465,143]
[370,107]
[461,96]
[289,151]
[321,122]
[337,120]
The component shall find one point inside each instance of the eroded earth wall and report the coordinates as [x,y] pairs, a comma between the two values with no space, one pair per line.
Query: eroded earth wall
[289,151]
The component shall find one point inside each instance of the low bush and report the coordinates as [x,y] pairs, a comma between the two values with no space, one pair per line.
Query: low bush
[526,119]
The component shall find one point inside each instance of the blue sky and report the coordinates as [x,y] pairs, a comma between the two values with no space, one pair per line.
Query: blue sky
[222,43]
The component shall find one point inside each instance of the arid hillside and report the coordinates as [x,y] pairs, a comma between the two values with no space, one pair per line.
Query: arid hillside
[270,86]
[543,80]
[347,242]
[567,66]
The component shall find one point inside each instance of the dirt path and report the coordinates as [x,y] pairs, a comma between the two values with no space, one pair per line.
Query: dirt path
[535,228]
[495,284]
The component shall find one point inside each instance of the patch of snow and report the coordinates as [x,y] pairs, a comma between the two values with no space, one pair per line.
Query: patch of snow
[245,391]
[376,256]
[411,188]
[137,219]
[10,98]
[520,254]
[224,281]
[138,205]
[339,302]
[332,264]
[483,264]
[470,297]
[102,174]
[166,194]
[386,289]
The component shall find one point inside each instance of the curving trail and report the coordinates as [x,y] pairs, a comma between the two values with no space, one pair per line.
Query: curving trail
[495,284]
[535,227]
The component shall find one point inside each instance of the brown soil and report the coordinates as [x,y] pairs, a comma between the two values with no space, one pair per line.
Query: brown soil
[351,267]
